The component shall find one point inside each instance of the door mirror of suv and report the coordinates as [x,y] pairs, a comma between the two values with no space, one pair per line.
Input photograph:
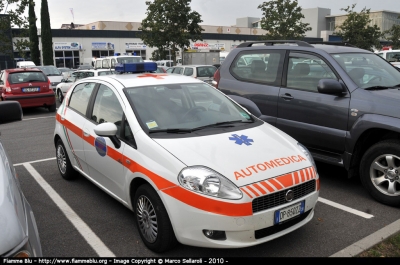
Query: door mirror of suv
[330,86]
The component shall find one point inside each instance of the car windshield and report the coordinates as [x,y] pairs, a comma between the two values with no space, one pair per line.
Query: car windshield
[184,106]
[24,77]
[49,70]
[368,70]
[123,59]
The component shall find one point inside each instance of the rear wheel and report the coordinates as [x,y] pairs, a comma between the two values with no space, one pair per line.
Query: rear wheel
[52,108]
[380,172]
[60,96]
[152,220]
[63,162]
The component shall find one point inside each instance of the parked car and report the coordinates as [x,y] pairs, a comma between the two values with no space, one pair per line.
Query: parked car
[193,165]
[160,69]
[341,102]
[29,86]
[65,71]
[110,61]
[85,67]
[18,231]
[201,72]
[169,70]
[53,74]
[25,64]
[66,83]
[392,56]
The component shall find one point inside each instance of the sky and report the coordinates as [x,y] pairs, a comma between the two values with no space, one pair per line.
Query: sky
[213,12]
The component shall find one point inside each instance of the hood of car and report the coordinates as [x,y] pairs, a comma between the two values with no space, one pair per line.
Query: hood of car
[12,213]
[381,101]
[244,156]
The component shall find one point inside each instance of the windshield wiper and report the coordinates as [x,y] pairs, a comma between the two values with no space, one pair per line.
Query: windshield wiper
[53,75]
[224,123]
[173,130]
[377,88]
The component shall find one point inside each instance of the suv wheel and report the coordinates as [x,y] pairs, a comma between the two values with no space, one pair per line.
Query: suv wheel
[380,172]
[152,220]
[60,96]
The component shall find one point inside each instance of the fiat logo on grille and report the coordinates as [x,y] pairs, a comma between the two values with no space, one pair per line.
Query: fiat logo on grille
[289,195]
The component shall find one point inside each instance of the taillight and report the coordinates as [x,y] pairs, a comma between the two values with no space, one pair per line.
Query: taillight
[217,77]
[48,82]
[7,87]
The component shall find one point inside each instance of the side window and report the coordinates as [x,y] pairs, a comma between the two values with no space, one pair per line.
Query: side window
[80,97]
[258,66]
[107,108]
[188,71]
[113,63]
[178,70]
[105,63]
[305,71]
[98,63]
[89,74]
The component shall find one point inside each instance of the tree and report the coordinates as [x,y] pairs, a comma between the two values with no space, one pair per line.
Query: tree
[170,24]
[158,55]
[47,38]
[13,18]
[33,35]
[282,20]
[393,35]
[356,29]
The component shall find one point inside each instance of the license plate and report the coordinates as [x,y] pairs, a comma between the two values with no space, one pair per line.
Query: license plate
[289,212]
[30,89]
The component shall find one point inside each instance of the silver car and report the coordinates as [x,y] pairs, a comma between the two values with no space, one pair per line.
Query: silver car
[19,237]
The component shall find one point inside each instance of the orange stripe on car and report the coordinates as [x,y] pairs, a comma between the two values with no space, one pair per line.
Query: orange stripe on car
[259,188]
[253,191]
[268,187]
[245,191]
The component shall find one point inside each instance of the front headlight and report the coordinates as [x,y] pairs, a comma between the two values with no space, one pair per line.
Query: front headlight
[208,182]
[308,155]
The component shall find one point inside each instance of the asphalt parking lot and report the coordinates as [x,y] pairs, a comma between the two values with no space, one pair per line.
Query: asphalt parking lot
[77,219]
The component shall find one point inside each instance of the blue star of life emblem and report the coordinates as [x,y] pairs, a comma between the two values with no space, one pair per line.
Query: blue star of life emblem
[243,139]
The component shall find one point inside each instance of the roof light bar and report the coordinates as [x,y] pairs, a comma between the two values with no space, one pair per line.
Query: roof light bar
[136,67]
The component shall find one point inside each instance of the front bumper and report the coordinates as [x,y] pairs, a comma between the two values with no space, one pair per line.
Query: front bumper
[189,222]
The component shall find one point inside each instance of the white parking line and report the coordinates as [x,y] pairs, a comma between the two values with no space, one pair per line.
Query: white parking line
[345,208]
[91,238]
[39,118]
[35,161]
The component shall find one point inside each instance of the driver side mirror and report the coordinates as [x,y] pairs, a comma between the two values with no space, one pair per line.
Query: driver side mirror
[108,129]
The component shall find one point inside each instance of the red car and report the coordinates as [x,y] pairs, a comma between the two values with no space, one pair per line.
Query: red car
[30,87]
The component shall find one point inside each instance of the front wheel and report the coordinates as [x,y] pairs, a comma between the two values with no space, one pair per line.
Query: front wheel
[152,220]
[380,172]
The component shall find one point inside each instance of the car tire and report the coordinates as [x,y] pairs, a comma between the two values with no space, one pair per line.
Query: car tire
[380,172]
[52,108]
[157,235]
[63,162]
[60,96]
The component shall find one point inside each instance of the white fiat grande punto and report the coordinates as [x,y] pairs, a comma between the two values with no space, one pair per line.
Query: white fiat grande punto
[193,165]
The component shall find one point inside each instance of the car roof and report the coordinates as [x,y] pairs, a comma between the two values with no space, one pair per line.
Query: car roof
[15,70]
[329,47]
[145,79]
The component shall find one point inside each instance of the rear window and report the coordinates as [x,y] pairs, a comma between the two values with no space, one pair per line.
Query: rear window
[23,77]
[206,71]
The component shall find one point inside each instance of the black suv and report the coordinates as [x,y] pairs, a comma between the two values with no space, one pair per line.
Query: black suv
[342,102]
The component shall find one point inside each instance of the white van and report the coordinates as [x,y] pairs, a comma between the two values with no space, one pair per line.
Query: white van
[110,61]
[25,64]
[392,56]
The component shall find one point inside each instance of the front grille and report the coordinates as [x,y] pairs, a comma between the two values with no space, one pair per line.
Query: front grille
[278,198]
[277,228]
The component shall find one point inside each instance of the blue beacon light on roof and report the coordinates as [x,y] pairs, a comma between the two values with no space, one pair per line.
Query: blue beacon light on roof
[136,67]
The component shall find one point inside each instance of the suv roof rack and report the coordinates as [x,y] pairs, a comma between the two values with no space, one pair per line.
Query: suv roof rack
[338,43]
[272,42]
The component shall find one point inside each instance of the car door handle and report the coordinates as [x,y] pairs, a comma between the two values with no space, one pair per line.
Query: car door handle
[286,96]
[86,133]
